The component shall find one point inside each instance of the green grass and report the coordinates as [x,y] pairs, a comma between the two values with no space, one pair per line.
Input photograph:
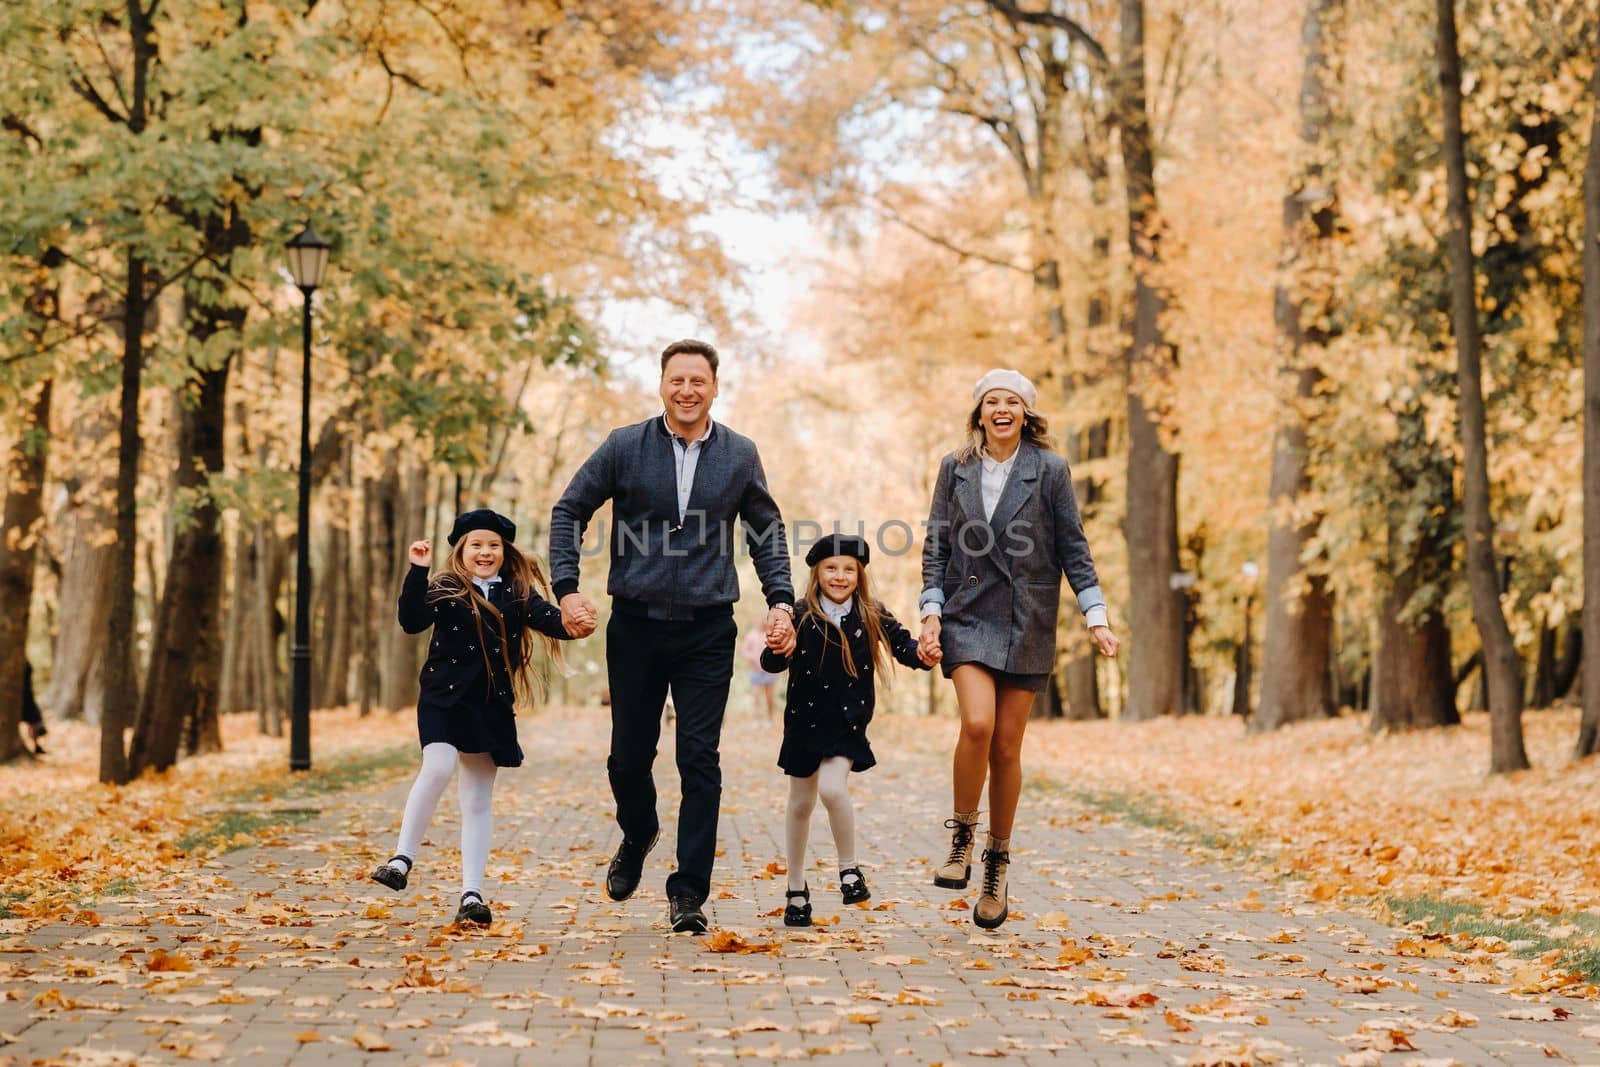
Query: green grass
[1149,812]
[249,816]
[1580,952]
[229,824]
[335,776]
[9,897]
[119,887]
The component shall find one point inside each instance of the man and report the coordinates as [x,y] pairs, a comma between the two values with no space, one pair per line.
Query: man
[678,483]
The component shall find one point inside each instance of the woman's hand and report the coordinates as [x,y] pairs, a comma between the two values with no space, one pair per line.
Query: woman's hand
[928,649]
[421,553]
[1105,640]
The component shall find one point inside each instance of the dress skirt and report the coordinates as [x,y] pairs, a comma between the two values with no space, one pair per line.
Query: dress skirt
[1032,683]
[472,726]
[805,747]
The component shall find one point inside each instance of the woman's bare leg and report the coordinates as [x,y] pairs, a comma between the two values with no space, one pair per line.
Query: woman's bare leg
[1012,707]
[975,696]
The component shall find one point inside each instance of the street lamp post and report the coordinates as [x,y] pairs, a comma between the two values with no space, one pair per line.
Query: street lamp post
[308,258]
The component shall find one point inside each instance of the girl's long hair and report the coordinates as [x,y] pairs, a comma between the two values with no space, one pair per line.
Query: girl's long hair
[866,607]
[523,578]
[1035,431]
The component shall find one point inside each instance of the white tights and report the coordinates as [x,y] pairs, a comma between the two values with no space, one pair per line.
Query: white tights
[831,784]
[475,788]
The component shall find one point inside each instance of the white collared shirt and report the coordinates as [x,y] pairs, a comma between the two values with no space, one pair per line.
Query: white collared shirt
[836,612]
[483,584]
[993,482]
[687,455]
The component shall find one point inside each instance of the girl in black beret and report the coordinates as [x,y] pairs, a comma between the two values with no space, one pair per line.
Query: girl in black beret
[485,608]
[842,637]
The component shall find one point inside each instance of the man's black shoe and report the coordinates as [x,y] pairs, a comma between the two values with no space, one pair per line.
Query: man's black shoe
[622,877]
[686,916]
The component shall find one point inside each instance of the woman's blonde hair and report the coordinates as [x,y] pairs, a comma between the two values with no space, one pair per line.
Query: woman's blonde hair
[523,578]
[1035,431]
[866,607]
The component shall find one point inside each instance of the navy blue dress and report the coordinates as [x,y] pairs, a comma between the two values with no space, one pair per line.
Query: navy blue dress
[467,699]
[826,712]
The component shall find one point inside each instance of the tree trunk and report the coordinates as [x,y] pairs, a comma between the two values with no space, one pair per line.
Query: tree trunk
[1295,652]
[1589,729]
[20,529]
[184,678]
[362,594]
[122,681]
[1156,648]
[271,564]
[1543,689]
[1413,684]
[1501,666]
[1570,659]
[78,657]
[232,688]
[333,636]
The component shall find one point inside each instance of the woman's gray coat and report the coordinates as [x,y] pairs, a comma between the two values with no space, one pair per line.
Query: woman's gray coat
[999,579]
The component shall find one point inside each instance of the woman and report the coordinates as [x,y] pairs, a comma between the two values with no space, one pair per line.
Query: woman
[1002,530]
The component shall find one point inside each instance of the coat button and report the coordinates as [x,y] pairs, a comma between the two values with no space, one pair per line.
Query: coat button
[972,579]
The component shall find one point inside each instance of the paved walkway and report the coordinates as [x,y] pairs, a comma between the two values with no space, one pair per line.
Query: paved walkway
[1124,947]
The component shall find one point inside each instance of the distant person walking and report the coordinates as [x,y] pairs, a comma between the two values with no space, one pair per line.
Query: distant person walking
[679,486]
[763,685]
[1003,528]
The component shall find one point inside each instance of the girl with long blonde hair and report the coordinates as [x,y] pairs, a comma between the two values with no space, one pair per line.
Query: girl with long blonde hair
[487,609]
[843,642]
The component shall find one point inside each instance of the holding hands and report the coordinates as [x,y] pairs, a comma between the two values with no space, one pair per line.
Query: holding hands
[421,553]
[780,632]
[928,650]
[578,615]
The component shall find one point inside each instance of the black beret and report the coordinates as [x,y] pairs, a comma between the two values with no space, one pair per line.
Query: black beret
[482,519]
[838,545]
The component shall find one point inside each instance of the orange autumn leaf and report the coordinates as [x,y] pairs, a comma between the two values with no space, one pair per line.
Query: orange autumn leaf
[728,941]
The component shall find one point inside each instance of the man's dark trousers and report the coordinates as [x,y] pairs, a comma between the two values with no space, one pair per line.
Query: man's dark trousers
[694,659]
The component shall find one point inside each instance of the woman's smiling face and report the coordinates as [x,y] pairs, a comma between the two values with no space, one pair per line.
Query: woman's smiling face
[1001,413]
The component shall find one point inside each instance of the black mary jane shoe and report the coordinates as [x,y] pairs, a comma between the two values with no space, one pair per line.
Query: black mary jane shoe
[686,916]
[797,914]
[474,910]
[855,890]
[393,872]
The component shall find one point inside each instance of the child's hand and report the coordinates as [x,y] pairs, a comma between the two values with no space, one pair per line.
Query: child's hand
[928,649]
[421,553]
[578,615]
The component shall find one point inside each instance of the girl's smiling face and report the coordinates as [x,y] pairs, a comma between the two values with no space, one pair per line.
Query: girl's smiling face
[837,577]
[483,552]
[1001,413]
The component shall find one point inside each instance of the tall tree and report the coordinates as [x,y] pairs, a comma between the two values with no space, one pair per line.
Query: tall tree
[1296,648]
[21,525]
[1156,607]
[1501,665]
[1589,730]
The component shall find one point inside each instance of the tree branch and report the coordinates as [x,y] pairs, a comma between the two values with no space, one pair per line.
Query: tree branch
[888,214]
[1012,11]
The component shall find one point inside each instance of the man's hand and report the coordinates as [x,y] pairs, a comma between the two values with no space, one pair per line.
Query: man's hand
[578,616]
[780,632]
[1105,640]
[421,553]
[928,649]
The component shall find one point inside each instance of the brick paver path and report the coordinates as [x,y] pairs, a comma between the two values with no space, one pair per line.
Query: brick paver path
[1126,946]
